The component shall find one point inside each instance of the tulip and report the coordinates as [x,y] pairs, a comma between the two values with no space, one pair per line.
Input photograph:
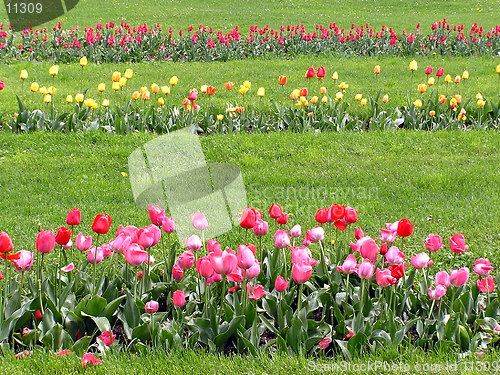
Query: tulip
[366,270]
[465,74]
[34,87]
[394,256]
[280,284]
[261,92]
[376,70]
[23,260]
[405,228]
[248,218]
[47,99]
[282,80]
[430,81]
[486,285]
[229,85]
[422,88]
[335,76]
[204,267]
[129,73]
[256,293]
[253,271]
[349,266]
[358,97]
[95,255]
[63,236]
[245,257]
[106,338]
[428,71]
[448,79]
[210,90]
[83,61]
[203,89]
[69,99]
[177,272]
[363,102]
[433,242]
[325,343]
[105,104]
[6,245]
[417,103]
[213,247]
[83,243]
[437,293]
[260,228]
[135,255]
[116,76]
[316,234]
[223,262]
[367,247]
[155,89]
[101,224]
[358,233]
[421,261]
[152,306]
[43,90]
[179,298]
[343,86]
[457,243]
[168,225]
[482,267]
[413,66]
[45,241]
[79,98]
[322,90]
[301,272]
[321,73]
[321,215]
[53,70]
[303,92]
[310,72]
[384,278]
[165,90]
[497,70]
[442,278]
[302,254]
[385,98]
[296,231]
[199,221]
[194,243]
[101,87]
[457,79]
[442,99]
[186,260]
[247,84]
[89,358]
[294,95]
[283,219]
[24,74]
[440,72]
[148,236]
[481,103]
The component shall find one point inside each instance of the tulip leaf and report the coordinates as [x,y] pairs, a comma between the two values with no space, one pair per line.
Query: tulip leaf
[110,309]
[269,325]
[95,306]
[492,309]
[57,338]
[228,331]
[205,329]
[131,312]
[343,347]
[13,304]
[142,332]
[251,348]
[451,327]
[102,323]
[82,345]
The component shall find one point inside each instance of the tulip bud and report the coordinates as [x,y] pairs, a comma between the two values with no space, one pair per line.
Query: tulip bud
[385,99]
[376,70]
[465,74]
[101,87]
[165,90]
[83,61]
[79,98]
[173,81]
[220,117]
[34,87]
[24,74]
[53,70]
[69,99]
[413,66]
[261,92]
[115,77]
[129,73]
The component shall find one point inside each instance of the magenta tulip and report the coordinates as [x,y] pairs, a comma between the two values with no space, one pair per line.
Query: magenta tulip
[236,276]
[256,293]
[23,260]
[482,267]
[260,228]
[421,261]
[301,272]
[117,244]
[384,277]
[486,285]
[394,256]
[223,262]
[325,343]
[179,298]
[281,239]
[437,293]
[45,241]
[194,243]
[95,255]
[302,254]
[130,231]
[442,278]
[388,236]
[213,247]
[358,233]
[74,217]
[177,272]
[148,236]
[367,247]
[89,358]
[245,257]
[156,214]
[151,307]
[253,271]
[106,338]
[366,270]
[296,231]
[433,242]
[351,215]
[280,284]
[316,234]
[349,266]
[457,243]
[459,277]
[204,267]
[168,225]
[135,255]
[186,260]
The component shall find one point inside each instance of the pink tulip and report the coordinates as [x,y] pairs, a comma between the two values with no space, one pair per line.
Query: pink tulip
[199,221]
[325,343]
[106,250]
[316,234]
[253,271]
[351,215]
[257,292]
[367,247]
[358,233]
[151,307]
[70,267]
[486,285]
[95,255]
[89,358]
[135,255]
[117,243]
[236,276]
[301,272]
[280,284]
[459,277]
[215,278]
[387,236]
[384,277]
[179,298]
[106,338]
[74,217]
[130,231]
[482,267]
[302,254]
[296,231]
[223,263]
[350,333]
[156,214]
[168,225]
[281,239]
[421,261]
[442,278]
[349,266]
[260,228]
[457,243]
[366,270]
[392,227]
[437,293]
[186,260]
[177,272]
[204,267]
[245,257]
[148,236]
[45,241]
[194,243]
[394,256]
[213,247]
[433,242]
[23,260]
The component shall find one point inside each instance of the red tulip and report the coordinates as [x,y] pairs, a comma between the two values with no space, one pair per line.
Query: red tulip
[179,298]
[45,241]
[248,218]
[405,228]
[210,90]
[2,84]
[186,260]
[177,272]
[335,212]
[321,215]
[101,224]
[74,217]
[428,71]
[301,272]
[5,243]
[38,315]
[156,214]
[283,219]
[310,72]
[106,338]
[398,270]
[439,72]
[321,72]
[89,358]
[303,91]
[282,80]
[275,211]
[151,307]
[63,236]
[280,284]
[252,247]
[486,285]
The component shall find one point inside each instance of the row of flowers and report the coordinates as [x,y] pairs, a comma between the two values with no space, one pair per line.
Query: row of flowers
[343,299]
[113,43]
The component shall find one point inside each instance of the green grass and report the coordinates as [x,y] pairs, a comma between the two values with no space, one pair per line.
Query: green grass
[394,80]
[226,15]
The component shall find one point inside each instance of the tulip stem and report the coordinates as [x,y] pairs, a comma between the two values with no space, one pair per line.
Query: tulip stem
[222,297]
[432,307]
[452,300]
[135,289]
[299,302]
[40,284]
[94,289]
[347,289]
[284,261]
[165,258]
[323,259]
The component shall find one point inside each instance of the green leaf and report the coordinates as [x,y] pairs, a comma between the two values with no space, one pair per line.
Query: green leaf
[131,312]
[95,306]
[223,337]
[82,345]
[142,333]
[112,306]
[57,338]
[101,322]
[451,327]
[205,329]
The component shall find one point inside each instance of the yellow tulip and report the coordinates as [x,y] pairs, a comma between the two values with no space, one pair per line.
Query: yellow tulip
[413,66]
[115,86]
[105,103]
[465,74]
[203,89]
[24,74]
[261,92]
[376,70]
[220,117]
[339,96]
[161,101]
[47,99]
[457,79]
[129,73]
[136,95]
[143,89]
[155,88]
[442,99]
[122,82]
[34,87]
[335,76]
[385,98]
[83,61]
[79,98]
[174,80]
[417,103]
[101,87]
[165,90]
[51,90]
[115,77]
[146,95]
[322,90]
[88,102]
[314,99]
[481,103]
[358,97]
[432,113]
[43,90]
[247,84]
[422,88]
[94,104]
[498,69]
[343,86]
[69,99]
[447,79]
[243,90]
[324,99]
[53,70]
[294,95]
[363,102]
[479,96]
[430,81]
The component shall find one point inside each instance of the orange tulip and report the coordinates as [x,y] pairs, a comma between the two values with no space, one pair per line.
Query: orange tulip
[282,80]
[229,85]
